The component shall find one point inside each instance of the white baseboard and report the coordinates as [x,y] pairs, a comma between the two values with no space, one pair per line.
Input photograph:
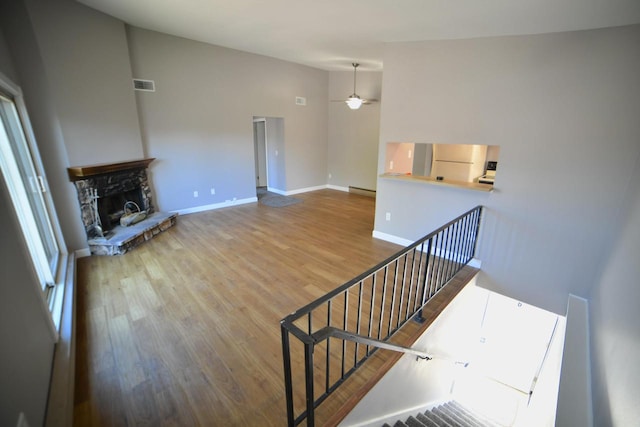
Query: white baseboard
[406,242]
[81,253]
[307,189]
[337,187]
[277,191]
[391,238]
[215,206]
[304,190]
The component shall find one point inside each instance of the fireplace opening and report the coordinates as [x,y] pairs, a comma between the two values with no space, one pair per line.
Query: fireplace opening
[103,190]
[111,208]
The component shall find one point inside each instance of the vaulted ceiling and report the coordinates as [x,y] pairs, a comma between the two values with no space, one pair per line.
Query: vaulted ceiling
[331,34]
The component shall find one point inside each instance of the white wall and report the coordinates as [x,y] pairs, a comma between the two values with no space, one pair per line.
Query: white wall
[353,134]
[615,319]
[563,108]
[574,397]
[504,342]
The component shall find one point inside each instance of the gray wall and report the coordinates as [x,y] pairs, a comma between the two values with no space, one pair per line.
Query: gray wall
[615,320]
[564,109]
[353,134]
[72,64]
[25,332]
[31,76]
[87,63]
[198,123]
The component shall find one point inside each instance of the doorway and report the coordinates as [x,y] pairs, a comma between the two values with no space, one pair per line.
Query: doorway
[260,152]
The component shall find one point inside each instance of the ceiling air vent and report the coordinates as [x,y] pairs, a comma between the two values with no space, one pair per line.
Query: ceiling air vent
[144,85]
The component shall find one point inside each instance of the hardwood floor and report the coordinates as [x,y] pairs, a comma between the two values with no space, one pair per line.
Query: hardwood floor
[184,330]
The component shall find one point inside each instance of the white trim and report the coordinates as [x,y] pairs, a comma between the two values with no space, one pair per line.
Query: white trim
[275,190]
[83,253]
[298,191]
[337,187]
[406,242]
[214,206]
[305,190]
[61,388]
[475,262]
[391,238]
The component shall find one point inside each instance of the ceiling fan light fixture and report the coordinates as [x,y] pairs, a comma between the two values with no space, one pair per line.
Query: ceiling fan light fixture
[354,102]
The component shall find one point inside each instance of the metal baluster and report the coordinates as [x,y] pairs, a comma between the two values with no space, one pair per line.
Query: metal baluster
[447,267]
[425,288]
[418,281]
[371,309]
[308,370]
[328,366]
[413,266]
[467,222]
[401,302]
[393,297]
[345,319]
[383,299]
[288,381]
[355,354]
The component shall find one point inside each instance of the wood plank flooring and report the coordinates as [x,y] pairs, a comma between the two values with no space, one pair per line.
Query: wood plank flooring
[184,330]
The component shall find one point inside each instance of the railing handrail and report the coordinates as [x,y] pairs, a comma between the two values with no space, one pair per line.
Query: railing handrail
[288,320]
[409,279]
[331,332]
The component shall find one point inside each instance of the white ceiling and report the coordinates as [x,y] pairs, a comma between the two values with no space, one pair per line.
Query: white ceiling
[331,34]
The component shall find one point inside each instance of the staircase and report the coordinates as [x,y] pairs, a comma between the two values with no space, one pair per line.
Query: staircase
[450,414]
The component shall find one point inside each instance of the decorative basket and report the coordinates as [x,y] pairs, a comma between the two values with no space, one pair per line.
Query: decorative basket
[132,214]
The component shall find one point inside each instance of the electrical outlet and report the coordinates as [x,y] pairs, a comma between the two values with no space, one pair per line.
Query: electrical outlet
[329,176]
[409,154]
[213,190]
[387,216]
[276,152]
[195,194]
[391,165]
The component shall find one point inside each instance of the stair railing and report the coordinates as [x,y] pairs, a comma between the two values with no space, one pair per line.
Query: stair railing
[363,314]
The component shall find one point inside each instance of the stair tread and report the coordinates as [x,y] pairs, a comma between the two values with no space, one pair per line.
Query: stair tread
[480,420]
[426,421]
[412,422]
[455,416]
[450,414]
[436,419]
[442,414]
[464,415]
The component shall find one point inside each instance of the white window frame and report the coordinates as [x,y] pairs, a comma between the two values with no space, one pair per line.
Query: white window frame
[50,276]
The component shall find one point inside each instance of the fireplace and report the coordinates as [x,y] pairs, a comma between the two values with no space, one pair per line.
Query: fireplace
[103,190]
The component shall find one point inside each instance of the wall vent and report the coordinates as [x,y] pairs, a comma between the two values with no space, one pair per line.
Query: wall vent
[144,85]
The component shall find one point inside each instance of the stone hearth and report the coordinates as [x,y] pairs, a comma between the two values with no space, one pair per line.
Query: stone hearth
[102,192]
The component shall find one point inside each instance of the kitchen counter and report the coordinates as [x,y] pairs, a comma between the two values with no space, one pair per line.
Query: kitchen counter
[474,186]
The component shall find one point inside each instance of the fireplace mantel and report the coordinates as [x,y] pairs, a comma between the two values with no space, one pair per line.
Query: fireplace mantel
[77,173]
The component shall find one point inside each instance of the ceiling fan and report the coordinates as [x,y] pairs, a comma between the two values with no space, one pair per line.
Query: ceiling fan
[354,101]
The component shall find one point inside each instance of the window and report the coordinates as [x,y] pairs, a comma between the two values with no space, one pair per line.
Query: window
[25,181]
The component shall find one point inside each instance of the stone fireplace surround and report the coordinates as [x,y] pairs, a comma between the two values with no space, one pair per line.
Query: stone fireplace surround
[113,184]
